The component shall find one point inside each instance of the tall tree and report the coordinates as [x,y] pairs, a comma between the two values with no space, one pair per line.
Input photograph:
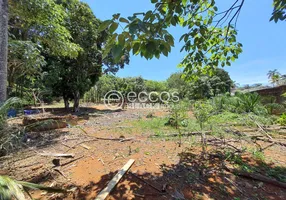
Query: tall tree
[3,48]
[72,77]
[274,76]
[36,28]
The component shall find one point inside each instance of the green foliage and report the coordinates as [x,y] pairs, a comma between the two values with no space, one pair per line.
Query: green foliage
[202,111]
[279,12]
[25,61]
[240,103]
[179,113]
[4,107]
[154,124]
[274,108]
[209,42]
[258,155]
[208,85]
[227,117]
[107,83]
[41,21]
[239,119]
[150,115]
[56,46]
[10,189]
[248,101]
[282,120]
[72,77]
[158,86]
[274,76]
[277,172]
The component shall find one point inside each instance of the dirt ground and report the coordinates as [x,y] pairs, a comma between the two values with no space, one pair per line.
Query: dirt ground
[103,141]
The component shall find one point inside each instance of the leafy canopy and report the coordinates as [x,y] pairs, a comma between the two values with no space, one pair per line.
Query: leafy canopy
[210,39]
[208,42]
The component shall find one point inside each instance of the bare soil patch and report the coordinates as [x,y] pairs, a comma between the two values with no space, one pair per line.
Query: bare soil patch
[103,141]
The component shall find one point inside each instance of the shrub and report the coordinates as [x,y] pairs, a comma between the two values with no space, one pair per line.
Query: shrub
[282,120]
[249,101]
[178,113]
[240,103]
[4,107]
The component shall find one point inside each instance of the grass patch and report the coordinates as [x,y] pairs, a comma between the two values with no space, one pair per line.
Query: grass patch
[157,126]
[240,119]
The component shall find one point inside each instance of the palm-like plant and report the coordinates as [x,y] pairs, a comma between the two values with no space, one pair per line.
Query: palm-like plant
[274,76]
[249,101]
[12,189]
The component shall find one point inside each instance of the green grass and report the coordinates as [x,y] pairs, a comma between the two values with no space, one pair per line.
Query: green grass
[153,124]
[240,119]
[157,126]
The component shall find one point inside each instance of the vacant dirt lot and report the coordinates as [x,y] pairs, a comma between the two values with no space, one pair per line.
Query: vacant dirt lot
[103,141]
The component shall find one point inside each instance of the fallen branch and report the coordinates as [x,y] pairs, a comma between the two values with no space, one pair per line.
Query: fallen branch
[234,184]
[257,177]
[124,126]
[258,137]
[152,186]
[72,147]
[105,192]
[71,161]
[183,134]
[271,141]
[224,142]
[114,139]
[61,173]
[260,127]
[85,146]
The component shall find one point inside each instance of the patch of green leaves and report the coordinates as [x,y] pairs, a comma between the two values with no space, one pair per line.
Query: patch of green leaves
[282,120]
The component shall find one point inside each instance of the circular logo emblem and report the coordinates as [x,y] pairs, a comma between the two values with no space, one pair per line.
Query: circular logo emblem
[113,100]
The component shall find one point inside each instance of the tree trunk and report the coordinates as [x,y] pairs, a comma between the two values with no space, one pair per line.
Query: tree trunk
[76,101]
[66,101]
[3,48]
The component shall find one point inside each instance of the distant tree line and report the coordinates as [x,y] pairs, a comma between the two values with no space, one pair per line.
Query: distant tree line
[206,86]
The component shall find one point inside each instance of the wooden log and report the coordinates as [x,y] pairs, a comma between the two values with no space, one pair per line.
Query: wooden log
[105,192]
[33,119]
[46,125]
[258,177]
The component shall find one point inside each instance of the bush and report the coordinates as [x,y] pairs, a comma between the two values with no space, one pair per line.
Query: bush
[282,120]
[178,113]
[240,103]
[274,108]
[4,107]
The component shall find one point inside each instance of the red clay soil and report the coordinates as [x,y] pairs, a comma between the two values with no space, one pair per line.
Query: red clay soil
[175,172]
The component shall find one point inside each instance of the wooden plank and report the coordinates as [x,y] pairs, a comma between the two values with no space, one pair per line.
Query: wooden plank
[105,192]
[57,155]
